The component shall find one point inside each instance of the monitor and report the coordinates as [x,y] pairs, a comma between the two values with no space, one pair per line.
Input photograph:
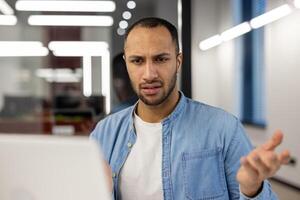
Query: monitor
[35,167]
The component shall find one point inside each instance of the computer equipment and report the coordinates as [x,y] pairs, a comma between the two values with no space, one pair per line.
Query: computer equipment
[39,167]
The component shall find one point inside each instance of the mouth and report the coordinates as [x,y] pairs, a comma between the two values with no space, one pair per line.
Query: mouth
[151,89]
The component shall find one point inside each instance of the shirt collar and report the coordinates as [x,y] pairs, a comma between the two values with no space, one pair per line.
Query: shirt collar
[174,114]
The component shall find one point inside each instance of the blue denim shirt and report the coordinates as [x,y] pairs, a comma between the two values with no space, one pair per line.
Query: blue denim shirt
[201,151]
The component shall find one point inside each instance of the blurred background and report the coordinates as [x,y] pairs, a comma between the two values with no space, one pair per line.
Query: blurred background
[61,66]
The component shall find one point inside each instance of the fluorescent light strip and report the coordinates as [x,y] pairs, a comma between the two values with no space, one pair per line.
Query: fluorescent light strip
[78,49]
[210,42]
[87,76]
[5,8]
[63,75]
[106,81]
[58,79]
[8,20]
[70,45]
[179,21]
[87,49]
[236,31]
[66,6]
[245,27]
[270,16]
[18,44]
[19,49]
[70,20]
[297,3]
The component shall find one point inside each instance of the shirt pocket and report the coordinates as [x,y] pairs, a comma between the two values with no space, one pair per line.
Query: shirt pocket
[203,174]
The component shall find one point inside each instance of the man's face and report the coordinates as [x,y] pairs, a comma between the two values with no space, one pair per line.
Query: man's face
[152,63]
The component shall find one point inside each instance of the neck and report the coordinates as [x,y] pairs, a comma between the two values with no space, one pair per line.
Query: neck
[155,114]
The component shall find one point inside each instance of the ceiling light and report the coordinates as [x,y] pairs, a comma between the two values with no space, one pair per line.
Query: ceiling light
[70,20]
[210,42]
[66,6]
[121,31]
[95,45]
[126,15]
[270,16]
[123,24]
[24,48]
[236,31]
[5,8]
[8,20]
[62,75]
[87,76]
[106,80]
[78,48]
[87,49]
[131,4]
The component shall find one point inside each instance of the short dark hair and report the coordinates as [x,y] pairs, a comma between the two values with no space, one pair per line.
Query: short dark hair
[153,22]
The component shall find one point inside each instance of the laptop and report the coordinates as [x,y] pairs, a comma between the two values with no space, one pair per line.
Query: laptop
[37,167]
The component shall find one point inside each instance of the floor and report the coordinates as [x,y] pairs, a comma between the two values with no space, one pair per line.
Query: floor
[285,192]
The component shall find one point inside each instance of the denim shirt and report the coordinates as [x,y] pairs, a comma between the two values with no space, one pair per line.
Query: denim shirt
[201,150]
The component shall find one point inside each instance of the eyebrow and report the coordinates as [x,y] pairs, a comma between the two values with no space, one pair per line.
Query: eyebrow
[162,54]
[157,55]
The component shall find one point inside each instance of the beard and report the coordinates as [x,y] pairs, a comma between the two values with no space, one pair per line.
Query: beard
[163,97]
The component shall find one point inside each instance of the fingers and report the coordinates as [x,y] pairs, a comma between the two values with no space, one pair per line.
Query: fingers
[264,168]
[264,163]
[248,167]
[272,143]
[284,157]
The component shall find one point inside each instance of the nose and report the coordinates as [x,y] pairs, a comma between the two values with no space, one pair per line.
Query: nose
[150,72]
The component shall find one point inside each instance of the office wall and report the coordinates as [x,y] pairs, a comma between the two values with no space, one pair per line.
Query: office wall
[215,78]
[213,74]
[282,88]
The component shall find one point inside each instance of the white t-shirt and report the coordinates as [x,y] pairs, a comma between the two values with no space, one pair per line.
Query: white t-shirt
[140,176]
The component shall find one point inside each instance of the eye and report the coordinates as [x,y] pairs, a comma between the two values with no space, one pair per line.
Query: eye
[161,59]
[137,61]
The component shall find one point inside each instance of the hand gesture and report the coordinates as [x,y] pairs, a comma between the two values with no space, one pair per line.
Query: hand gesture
[261,164]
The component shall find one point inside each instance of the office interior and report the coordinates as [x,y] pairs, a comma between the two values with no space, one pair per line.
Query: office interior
[57,77]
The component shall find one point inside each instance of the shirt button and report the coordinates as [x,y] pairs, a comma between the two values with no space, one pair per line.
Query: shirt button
[114,175]
[129,145]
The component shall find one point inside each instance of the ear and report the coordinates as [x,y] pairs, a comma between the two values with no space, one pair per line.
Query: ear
[179,61]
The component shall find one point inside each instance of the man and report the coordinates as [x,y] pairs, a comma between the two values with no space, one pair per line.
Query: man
[168,146]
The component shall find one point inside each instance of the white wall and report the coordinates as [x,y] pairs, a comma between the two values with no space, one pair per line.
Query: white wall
[215,77]
[213,74]
[283,88]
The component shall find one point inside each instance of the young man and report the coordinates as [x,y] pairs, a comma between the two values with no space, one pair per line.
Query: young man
[168,146]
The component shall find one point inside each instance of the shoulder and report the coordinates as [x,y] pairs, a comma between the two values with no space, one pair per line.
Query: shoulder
[120,116]
[112,130]
[217,124]
[112,123]
[211,120]
[208,112]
